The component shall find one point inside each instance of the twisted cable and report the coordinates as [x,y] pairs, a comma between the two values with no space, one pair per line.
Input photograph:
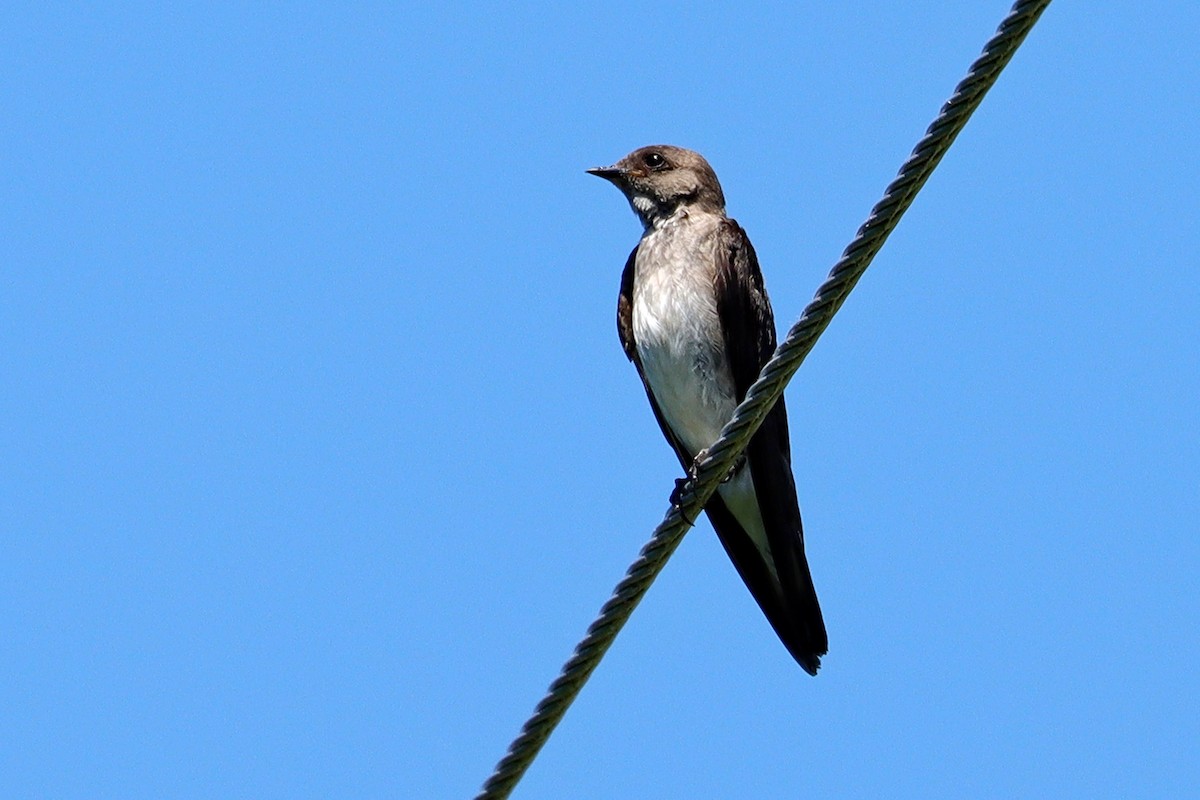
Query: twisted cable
[736,434]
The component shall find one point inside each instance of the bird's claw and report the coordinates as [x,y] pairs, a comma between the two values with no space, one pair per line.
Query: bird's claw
[677,492]
[703,456]
[735,469]
[682,483]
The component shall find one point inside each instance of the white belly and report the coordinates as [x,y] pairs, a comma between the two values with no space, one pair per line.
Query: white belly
[682,350]
[679,342]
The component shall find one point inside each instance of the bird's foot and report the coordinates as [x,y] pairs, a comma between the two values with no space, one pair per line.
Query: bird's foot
[677,492]
[735,469]
[697,462]
[681,484]
[703,456]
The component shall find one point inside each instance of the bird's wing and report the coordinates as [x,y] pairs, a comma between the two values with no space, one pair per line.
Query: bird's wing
[748,325]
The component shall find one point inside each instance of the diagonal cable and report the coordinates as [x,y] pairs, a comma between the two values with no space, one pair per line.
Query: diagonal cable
[791,352]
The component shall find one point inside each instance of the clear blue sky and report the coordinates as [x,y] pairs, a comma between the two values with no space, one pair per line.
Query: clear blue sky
[319,451]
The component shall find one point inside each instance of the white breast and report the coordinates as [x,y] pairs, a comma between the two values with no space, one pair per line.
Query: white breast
[677,330]
[682,349]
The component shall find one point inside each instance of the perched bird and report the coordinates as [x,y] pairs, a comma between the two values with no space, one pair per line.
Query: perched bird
[695,320]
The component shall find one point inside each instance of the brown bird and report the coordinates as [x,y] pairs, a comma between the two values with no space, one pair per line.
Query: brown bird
[694,318]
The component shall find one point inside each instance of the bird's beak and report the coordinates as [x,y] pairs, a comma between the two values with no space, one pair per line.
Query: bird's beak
[610,174]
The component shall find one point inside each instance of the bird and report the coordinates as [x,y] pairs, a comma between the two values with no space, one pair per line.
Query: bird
[694,318]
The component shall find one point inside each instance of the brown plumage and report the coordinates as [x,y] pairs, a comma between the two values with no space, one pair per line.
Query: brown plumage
[694,318]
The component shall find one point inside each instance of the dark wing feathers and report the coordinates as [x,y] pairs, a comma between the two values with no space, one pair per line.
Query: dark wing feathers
[625,311]
[749,327]
[743,306]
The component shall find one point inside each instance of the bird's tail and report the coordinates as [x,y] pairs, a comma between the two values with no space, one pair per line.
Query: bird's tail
[800,625]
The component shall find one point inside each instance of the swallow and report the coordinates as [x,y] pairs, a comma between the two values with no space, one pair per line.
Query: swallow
[694,318]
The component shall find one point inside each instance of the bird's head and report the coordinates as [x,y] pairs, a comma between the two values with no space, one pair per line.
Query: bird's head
[659,179]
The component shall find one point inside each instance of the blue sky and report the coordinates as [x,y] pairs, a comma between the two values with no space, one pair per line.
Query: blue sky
[320,453]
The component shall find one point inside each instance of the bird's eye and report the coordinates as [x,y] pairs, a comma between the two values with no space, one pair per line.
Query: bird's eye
[655,161]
